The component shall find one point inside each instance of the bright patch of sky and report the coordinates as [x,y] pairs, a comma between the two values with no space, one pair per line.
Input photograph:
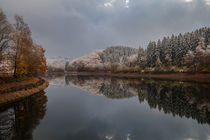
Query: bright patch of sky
[127,3]
[189,139]
[109,4]
[112,2]
[188,0]
[207,2]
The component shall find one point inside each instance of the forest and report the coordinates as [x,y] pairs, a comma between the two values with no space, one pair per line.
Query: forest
[189,53]
[20,56]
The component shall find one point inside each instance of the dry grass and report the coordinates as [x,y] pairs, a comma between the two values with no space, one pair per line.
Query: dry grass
[18,85]
[18,95]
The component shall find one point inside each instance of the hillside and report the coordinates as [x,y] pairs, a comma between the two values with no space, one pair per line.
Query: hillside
[57,64]
[103,59]
[189,52]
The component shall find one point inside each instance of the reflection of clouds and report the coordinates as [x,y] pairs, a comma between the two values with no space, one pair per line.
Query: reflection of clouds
[109,137]
[128,136]
[87,117]
[189,139]
[175,98]
[56,81]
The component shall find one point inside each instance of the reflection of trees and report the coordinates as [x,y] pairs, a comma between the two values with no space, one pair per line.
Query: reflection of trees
[116,89]
[22,118]
[7,120]
[184,99]
[111,88]
[191,100]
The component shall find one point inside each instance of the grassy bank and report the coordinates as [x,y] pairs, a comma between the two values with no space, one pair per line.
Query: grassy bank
[12,84]
[17,90]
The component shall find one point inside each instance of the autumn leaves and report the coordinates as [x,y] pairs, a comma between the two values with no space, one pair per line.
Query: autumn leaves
[21,55]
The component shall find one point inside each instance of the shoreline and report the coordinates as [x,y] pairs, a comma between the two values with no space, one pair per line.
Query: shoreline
[9,96]
[185,77]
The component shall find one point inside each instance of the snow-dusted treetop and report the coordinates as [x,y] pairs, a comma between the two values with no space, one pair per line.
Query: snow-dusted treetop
[103,59]
[57,62]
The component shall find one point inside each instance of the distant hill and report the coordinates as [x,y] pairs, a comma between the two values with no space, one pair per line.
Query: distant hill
[103,59]
[189,52]
[57,64]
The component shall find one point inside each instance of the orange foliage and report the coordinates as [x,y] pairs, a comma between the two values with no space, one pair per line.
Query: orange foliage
[18,84]
[29,57]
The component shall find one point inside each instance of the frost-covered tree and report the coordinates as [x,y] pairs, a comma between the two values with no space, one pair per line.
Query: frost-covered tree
[200,54]
[190,59]
[117,54]
[158,50]
[189,49]
[158,63]
[150,54]
[141,60]
[168,60]
[5,34]
[199,58]
[207,56]
[175,48]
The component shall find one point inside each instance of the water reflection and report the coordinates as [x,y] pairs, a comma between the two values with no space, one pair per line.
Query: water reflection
[17,121]
[190,100]
[120,112]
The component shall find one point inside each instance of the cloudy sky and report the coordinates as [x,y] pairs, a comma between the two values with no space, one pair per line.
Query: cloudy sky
[72,28]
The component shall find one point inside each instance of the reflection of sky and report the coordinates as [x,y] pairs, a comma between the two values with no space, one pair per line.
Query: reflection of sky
[76,114]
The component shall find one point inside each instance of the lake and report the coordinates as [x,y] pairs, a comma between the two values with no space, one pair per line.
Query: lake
[104,108]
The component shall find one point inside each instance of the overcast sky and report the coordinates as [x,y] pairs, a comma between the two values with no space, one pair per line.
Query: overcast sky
[72,28]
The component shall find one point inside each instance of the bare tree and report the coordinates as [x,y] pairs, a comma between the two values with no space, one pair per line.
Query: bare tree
[5,34]
[22,41]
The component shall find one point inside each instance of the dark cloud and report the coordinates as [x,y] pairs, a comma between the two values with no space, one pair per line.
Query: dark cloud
[75,27]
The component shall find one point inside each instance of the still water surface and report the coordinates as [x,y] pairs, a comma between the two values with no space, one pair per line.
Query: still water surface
[87,108]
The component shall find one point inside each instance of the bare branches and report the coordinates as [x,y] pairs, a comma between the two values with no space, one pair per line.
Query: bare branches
[5,33]
[23,55]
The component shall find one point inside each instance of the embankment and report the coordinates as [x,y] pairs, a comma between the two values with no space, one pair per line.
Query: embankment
[198,77]
[15,91]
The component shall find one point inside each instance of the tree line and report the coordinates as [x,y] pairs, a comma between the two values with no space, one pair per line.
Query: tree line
[19,54]
[190,51]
